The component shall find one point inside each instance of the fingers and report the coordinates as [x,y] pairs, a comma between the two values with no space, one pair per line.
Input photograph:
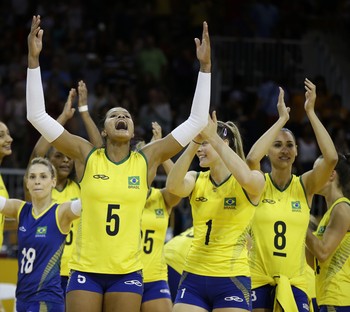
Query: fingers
[213,117]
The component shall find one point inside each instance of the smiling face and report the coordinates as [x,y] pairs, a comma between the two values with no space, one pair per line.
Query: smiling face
[283,150]
[5,141]
[40,180]
[206,155]
[118,125]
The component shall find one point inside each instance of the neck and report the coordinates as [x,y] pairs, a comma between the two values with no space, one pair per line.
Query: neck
[117,151]
[331,194]
[281,177]
[219,173]
[41,204]
[61,184]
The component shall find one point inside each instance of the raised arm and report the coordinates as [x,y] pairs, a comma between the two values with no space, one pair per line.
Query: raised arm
[315,179]
[170,145]
[42,146]
[93,133]
[252,181]
[73,146]
[157,135]
[262,145]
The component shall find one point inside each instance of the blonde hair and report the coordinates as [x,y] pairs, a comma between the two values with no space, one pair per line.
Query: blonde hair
[45,162]
[229,131]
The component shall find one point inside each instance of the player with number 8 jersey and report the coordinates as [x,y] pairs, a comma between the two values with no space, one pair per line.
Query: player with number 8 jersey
[278,262]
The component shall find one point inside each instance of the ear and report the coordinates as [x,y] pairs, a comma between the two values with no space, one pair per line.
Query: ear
[54,182]
[333,176]
[296,147]
[103,133]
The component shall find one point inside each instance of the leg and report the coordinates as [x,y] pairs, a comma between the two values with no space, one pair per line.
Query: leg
[82,300]
[121,302]
[184,307]
[157,305]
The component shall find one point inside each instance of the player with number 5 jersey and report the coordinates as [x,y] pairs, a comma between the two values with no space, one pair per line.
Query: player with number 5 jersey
[114,181]
[223,199]
[278,262]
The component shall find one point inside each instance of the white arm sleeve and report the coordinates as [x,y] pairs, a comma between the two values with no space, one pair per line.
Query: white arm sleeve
[2,203]
[48,127]
[76,207]
[198,118]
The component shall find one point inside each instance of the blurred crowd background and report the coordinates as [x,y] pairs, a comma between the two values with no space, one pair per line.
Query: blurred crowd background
[140,54]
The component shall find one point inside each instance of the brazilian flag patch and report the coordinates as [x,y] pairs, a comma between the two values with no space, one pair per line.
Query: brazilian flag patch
[159,213]
[296,206]
[41,231]
[134,182]
[230,203]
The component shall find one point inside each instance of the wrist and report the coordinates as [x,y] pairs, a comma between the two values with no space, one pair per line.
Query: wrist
[83,108]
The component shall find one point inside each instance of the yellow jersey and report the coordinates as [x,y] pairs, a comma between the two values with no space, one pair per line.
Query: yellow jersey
[278,235]
[176,250]
[333,275]
[113,195]
[155,219]
[221,219]
[4,193]
[70,192]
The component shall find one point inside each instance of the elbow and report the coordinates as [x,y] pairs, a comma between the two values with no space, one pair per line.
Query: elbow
[323,254]
[171,188]
[322,257]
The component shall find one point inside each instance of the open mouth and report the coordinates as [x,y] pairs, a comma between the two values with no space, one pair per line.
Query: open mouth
[121,125]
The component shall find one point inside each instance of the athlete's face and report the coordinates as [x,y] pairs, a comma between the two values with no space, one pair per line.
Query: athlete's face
[283,150]
[5,141]
[206,155]
[62,163]
[118,125]
[40,181]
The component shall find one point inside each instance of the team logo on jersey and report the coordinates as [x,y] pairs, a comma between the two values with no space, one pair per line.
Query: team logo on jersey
[41,231]
[134,182]
[230,203]
[159,213]
[100,176]
[296,207]
[201,199]
[268,201]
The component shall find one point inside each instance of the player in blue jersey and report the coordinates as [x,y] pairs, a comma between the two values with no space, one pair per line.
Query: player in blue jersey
[42,229]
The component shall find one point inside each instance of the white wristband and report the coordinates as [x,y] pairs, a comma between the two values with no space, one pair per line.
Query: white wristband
[83,108]
[2,203]
[75,206]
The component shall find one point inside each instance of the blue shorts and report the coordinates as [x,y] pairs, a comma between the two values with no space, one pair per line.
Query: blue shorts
[37,306]
[103,283]
[263,298]
[214,292]
[64,282]
[327,308]
[173,282]
[155,290]
[314,304]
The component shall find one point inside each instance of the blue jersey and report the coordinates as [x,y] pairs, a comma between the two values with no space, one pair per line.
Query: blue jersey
[40,247]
